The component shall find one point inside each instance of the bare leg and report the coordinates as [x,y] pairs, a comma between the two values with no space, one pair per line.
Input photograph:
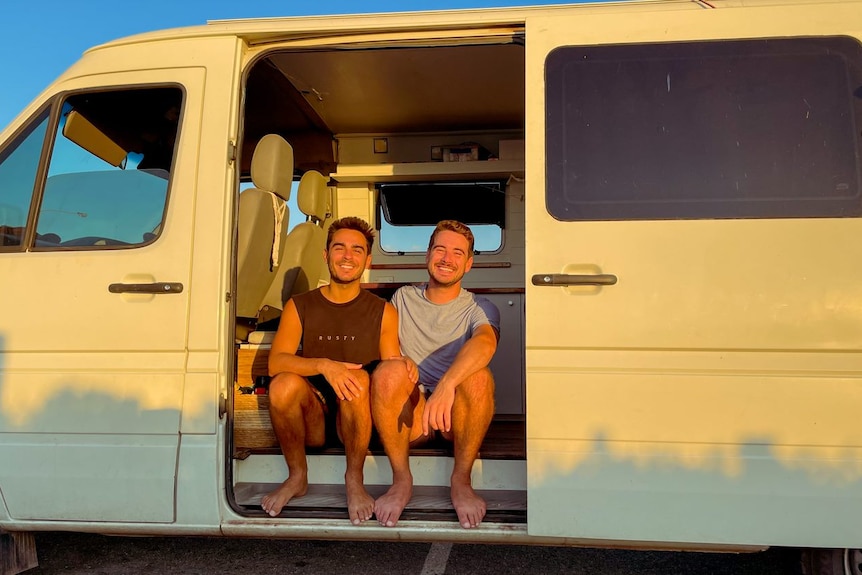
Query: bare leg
[354,427]
[396,404]
[298,420]
[471,416]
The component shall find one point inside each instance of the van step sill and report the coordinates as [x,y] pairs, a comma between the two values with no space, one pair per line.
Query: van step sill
[329,500]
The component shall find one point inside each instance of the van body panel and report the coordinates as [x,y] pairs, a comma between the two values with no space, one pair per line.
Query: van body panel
[200,402]
[719,376]
[200,482]
[114,477]
[120,371]
[705,399]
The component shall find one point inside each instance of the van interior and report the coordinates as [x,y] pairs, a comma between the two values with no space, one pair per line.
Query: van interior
[403,134]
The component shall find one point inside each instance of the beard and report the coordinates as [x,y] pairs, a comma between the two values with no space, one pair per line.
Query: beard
[450,281]
[334,276]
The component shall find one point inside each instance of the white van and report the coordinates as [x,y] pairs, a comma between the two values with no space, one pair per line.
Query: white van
[667,200]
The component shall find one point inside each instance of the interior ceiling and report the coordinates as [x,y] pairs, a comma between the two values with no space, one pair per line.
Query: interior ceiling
[309,96]
[403,90]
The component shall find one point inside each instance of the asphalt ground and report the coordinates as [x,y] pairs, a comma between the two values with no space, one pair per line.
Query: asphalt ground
[72,553]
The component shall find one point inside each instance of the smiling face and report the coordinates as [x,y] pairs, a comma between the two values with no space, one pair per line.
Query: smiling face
[347,256]
[448,258]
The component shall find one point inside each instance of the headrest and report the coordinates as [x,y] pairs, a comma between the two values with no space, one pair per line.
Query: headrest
[272,166]
[312,195]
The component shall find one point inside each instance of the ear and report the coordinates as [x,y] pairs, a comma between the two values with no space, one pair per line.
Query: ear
[368,262]
[469,264]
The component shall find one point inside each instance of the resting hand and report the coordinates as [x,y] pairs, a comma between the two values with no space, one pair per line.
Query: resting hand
[438,410]
[342,377]
[412,368]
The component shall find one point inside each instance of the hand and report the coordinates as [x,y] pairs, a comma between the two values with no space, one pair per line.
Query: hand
[342,377]
[412,368]
[438,410]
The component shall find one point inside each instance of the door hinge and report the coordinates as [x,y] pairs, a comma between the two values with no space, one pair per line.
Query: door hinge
[231,152]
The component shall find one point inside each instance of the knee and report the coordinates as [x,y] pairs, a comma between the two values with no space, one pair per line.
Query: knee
[390,377]
[478,387]
[482,382]
[286,389]
[363,381]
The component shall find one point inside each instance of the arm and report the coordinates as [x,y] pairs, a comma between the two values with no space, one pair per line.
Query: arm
[283,358]
[390,347]
[473,356]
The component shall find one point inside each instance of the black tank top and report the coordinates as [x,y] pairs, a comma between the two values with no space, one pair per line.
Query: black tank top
[340,331]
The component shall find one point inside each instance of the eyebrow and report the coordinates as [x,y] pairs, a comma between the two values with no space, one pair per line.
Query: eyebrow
[441,246]
[351,246]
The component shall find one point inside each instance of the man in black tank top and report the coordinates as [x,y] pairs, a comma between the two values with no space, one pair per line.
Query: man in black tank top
[344,332]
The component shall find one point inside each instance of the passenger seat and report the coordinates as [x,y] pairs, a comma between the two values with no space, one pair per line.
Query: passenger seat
[263,220]
[302,268]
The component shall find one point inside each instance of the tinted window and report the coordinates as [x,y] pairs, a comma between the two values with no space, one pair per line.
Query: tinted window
[742,129]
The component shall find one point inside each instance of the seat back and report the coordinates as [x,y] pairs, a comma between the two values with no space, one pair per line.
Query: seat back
[263,217]
[302,267]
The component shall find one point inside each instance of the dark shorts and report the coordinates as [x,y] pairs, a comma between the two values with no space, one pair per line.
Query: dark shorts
[326,396]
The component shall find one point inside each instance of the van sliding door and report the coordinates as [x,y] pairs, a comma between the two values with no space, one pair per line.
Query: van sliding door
[694,320]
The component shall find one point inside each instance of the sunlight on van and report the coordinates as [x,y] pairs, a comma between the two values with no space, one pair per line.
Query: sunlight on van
[699,423]
[131,399]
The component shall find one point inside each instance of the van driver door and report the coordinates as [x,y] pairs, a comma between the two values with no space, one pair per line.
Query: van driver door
[97,204]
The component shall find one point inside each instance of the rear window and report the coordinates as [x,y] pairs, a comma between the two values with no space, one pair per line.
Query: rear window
[409,212]
[739,129]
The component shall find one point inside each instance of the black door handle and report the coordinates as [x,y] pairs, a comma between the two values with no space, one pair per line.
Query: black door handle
[574,279]
[154,288]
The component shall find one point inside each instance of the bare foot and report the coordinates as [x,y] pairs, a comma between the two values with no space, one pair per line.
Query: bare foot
[360,505]
[292,487]
[469,506]
[389,506]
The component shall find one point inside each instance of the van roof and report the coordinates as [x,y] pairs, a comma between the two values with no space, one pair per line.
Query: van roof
[260,30]
[256,30]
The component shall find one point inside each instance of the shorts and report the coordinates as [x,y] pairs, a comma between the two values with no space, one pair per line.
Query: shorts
[326,396]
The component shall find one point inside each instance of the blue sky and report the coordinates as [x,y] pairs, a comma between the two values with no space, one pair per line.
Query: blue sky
[39,39]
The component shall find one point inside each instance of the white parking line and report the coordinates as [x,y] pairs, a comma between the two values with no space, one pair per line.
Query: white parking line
[438,557]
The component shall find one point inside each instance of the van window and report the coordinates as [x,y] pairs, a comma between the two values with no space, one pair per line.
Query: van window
[408,213]
[19,164]
[695,130]
[108,175]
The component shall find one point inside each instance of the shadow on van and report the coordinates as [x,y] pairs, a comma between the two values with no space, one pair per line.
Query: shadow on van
[756,492]
[86,454]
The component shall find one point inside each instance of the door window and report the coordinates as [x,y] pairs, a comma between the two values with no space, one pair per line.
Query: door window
[108,176]
[699,130]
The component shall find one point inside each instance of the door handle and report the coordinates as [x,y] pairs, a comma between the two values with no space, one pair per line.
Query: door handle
[153,288]
[574,279]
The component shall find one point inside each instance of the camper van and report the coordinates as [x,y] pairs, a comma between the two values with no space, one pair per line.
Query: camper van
[667,200]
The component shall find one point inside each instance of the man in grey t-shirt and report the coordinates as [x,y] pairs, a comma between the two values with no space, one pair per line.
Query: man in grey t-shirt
[452,335]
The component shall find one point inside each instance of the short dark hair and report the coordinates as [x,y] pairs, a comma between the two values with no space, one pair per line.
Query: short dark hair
[351,223]
[458,228]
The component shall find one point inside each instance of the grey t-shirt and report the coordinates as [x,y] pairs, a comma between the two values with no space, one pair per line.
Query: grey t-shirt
[432,334]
